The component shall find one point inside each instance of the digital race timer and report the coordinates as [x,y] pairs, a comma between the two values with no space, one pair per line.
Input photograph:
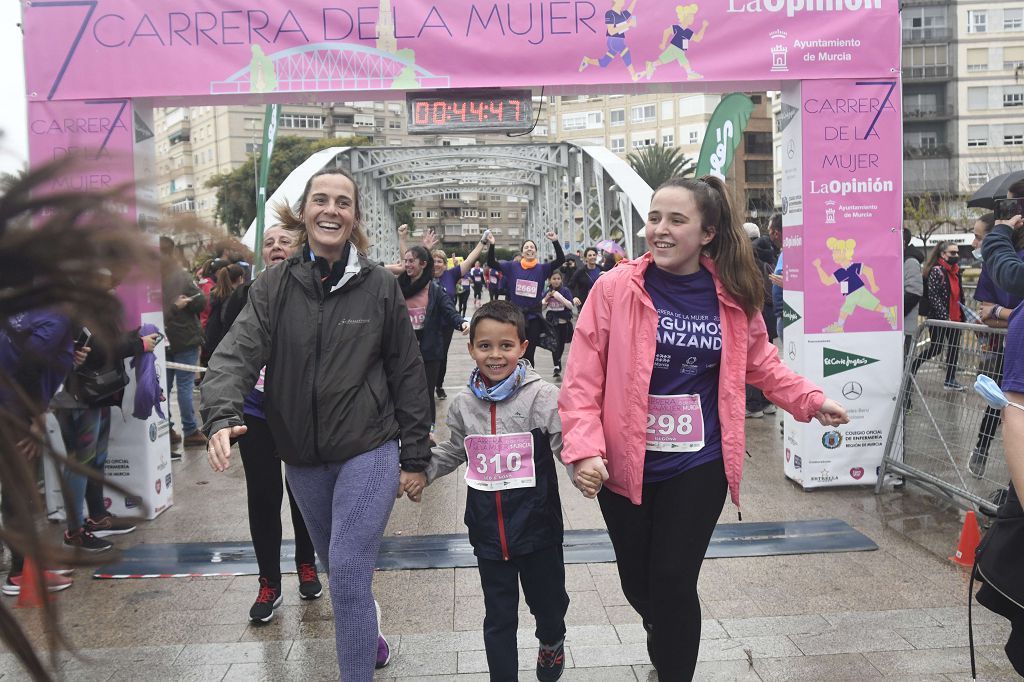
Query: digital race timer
[454,111]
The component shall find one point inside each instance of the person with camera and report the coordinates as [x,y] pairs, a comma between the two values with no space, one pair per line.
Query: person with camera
[1006,269]
[82,409]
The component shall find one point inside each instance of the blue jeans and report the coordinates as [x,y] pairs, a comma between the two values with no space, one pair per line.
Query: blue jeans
[85,433]
[186,384]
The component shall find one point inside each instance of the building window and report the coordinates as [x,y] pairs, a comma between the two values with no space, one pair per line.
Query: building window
[617,116]
[252,147]
[574,121]
[617,144]
[668,140]
[1013,96]
[977,174]
[757,143]
[394,125]
[694,136]
[977,136]
[1013,57]
[977,21]
[758,171]
[302,121]
[644,112]
[977,59]
[495,215]
[417,214]
[640,141]
[977,98]
[1013,135]
[1013,19]
[666,110]
[253,123]
[451,196]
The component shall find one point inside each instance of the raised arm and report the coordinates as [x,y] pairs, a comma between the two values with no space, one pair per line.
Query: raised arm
[826,279]
[474,255]
[559,254]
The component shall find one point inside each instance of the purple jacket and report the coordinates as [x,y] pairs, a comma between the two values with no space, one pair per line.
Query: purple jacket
[147,381]
[37,352]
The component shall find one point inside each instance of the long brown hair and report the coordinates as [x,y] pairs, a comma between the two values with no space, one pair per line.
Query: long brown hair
[291,218]
[225,276]
[730,248]
[933,257]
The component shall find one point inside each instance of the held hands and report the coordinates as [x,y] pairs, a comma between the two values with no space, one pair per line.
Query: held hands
[832,414]
[465,328]
[181,301]
[775,279]
[412,484]
[218,452]
[590,475]
[80,355]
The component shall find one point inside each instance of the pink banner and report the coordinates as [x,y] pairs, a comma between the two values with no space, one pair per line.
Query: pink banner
[100,135]
[77,49]
[852,206]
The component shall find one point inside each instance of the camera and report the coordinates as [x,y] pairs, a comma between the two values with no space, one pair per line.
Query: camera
[1007,208]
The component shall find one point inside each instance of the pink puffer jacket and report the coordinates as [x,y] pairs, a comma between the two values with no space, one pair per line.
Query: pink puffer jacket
[603,402]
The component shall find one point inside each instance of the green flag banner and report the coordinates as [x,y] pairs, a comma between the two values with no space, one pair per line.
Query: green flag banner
[723,136]
[266,150]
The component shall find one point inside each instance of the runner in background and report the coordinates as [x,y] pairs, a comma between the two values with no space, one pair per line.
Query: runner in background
[524,282]
[476,273]
[558,311]
[464,290]
[583,279]
[674,336]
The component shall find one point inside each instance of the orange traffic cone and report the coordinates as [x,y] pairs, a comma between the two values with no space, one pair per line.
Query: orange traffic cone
[970,536]
[32,593]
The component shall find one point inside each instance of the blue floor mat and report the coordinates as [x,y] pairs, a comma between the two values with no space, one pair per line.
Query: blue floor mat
[454,551]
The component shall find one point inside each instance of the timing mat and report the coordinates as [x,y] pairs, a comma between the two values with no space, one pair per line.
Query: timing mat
[184,560]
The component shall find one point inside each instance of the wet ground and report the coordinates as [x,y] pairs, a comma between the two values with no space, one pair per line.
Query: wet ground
[899,612]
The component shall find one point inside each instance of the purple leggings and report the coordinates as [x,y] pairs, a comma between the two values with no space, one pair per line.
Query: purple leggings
[346,506]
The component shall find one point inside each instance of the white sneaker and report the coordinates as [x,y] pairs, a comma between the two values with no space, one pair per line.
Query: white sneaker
[771,409]
[757,414]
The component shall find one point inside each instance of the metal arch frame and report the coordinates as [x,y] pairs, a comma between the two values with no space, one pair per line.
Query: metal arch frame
[585,193]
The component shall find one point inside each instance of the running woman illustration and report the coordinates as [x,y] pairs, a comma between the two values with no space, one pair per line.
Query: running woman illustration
[617,21]
[848,277]
[676,39]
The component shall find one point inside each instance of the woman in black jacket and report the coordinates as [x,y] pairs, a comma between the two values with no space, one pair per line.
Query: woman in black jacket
[430,311]
[945,295]
[583,279]
[345,398]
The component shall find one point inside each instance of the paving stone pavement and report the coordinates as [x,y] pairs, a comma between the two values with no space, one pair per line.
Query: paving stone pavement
[896,613]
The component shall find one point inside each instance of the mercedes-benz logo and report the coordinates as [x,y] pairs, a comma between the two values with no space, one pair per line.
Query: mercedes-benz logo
[852,390]
[792,350]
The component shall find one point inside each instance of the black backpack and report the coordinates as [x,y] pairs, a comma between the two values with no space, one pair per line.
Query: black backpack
[925,307]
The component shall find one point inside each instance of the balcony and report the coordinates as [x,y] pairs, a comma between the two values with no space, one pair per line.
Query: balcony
[926,35]
[927,73]
[929,175]
[928,112]
[940,151]
[184,134]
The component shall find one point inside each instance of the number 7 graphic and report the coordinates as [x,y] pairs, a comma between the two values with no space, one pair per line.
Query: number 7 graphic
[91,4]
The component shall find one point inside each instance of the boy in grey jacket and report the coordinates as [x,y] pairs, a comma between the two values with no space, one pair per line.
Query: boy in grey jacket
[508,424]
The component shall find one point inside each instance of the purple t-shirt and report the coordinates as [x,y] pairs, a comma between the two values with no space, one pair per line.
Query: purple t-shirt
[594,274]
[687,360]
[988,292]
[851,276]
[1013,358]
[558,308]
[526,286]
[449,278]
[681,36]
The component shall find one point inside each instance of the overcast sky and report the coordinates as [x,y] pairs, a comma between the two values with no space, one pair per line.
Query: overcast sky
[14,143]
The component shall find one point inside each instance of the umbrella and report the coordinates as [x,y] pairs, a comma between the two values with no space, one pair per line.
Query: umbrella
[995,188]
[611,246]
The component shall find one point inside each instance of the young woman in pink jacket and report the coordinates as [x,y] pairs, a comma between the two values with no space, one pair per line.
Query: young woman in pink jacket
[658,436]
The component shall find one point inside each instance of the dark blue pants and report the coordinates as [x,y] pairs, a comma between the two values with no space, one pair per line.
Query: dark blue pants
[542,574]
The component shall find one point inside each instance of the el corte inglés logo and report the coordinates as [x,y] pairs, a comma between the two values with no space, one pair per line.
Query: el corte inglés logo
[789,316]
[838,361]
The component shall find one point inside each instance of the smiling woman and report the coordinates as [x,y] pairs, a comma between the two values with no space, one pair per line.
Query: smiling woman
[344,395]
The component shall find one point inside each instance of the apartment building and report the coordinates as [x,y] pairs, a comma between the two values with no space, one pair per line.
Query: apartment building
[626,122]
[990,90]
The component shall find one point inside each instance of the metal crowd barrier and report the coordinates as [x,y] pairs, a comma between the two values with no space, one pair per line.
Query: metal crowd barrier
[943,435]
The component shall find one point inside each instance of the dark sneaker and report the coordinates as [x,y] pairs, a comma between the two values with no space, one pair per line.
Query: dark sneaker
[195,440]
[954,386]
[86,541]
[383,648]
[175,437]
[268,599]
[441,395]
[648,628]
[54,583]
[557,372]
[550,661]
[177,455]
[108,524]
[977,463]
[309,582]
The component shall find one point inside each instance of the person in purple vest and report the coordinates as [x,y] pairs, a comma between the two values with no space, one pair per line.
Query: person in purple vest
[525,282]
